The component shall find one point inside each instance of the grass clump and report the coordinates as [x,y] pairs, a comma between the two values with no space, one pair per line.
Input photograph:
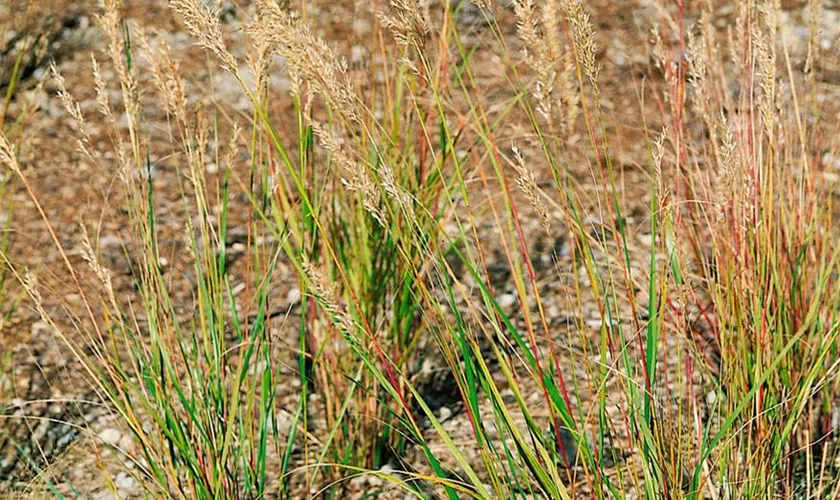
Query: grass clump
[710,370]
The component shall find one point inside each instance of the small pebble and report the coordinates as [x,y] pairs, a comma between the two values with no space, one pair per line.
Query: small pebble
[127,444]
[293,297]
[444,413]
[645,239]
[124,482]
[110,436]
[506,300]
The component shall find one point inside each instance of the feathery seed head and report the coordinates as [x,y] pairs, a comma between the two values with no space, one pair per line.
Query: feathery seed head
[546,55]
[309,58]
[89,256]
[8,155]
[75,112]
[730,171]
[527,183]
[111,22]
[102,98]
[355,177]
[583,38]
[204,24]
[327,296]
[408,21]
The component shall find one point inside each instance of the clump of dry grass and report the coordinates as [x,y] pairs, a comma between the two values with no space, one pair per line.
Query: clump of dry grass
[372,205]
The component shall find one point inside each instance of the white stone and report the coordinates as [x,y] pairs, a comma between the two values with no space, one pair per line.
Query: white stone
[293,297]
[506,300]
[444,412]
[110,436]
[124,482]
[127,444]
[358,54]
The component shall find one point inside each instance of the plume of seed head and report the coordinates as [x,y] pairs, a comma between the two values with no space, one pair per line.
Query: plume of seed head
[102,99]
[328,298]
[697,73]
[738,39]
[333,146]
[165,76]
[551,27]
[67,100]
[813,13]
[75,112]
[309,58]
[405,201]
[89,256]
[527,183]
[764,38]
[31,286]
[486,5]
[261,62]
[105,109]
[408,21]
[112,24]
[658,51]
[389,182]
[546,54]
[355,177]
[658,154]
[568,91]
[362,184]
[583,39]
[7,154]
[565,81]
[232,147]
[204,24]
[537,54]
[730,173]
[527,25]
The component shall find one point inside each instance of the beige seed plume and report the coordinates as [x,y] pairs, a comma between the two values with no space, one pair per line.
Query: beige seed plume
[203,23]
[30,284]
[527,183]
[102,273]
[730,171]
[537,54]
[102,98]
[408,21]
[8,155]
[309,58]
[813,11]
[658,154]
[165,76]
[354,176]
[697,73]
[73,109]
[764,34]
[111,23]
[328,298]
[583,39]
[549,58]
[389,182]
